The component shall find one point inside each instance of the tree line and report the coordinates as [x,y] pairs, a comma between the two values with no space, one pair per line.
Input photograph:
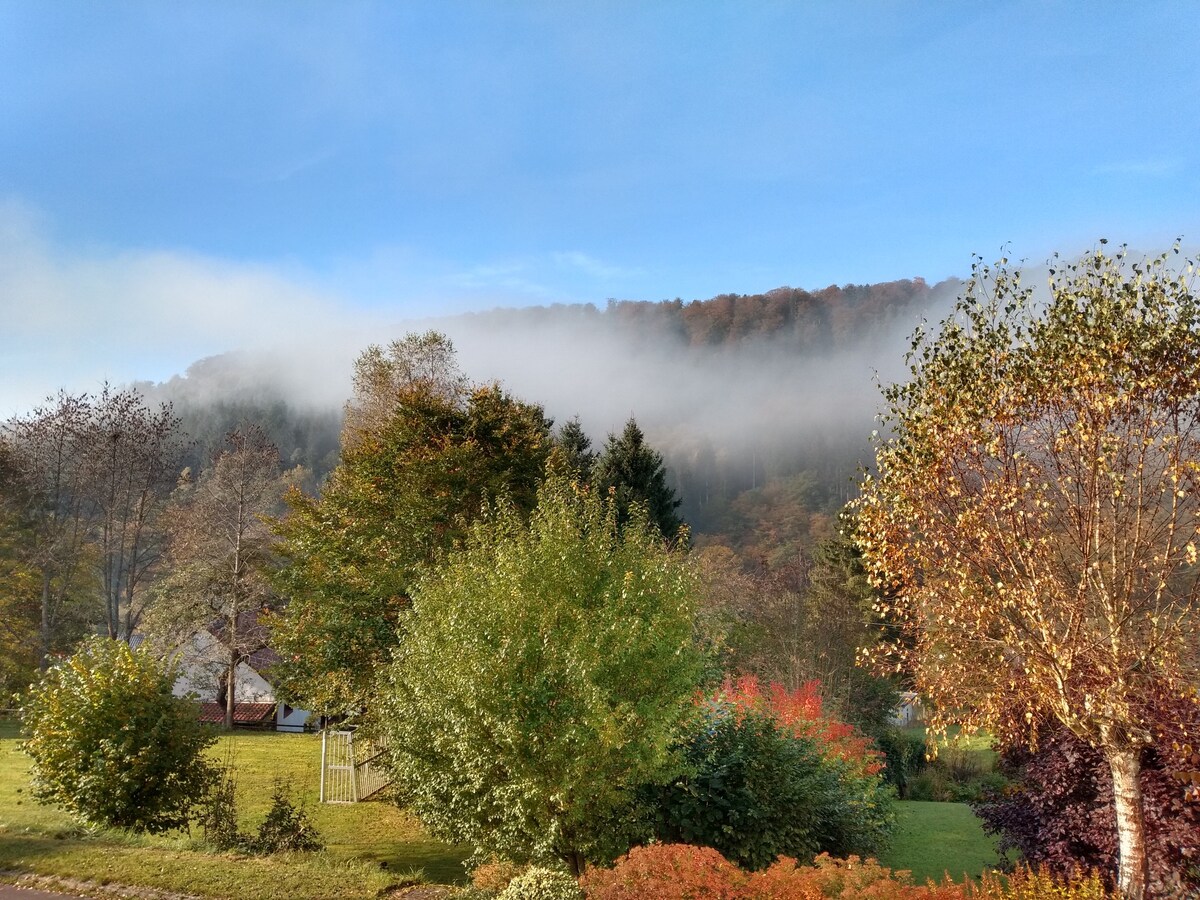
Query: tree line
[104,527]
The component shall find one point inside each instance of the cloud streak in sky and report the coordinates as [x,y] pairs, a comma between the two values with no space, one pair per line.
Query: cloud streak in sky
[76,318]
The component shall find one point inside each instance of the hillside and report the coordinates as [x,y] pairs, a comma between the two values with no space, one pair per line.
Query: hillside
[741,392]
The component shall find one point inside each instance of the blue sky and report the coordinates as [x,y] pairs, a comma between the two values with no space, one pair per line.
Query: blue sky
[178,179]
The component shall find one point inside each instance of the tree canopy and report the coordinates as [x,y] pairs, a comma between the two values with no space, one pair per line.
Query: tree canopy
[543,671]
[1036,511]
[422,449]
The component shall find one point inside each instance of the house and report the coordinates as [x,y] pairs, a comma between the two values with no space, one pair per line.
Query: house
[203,664]
[909,711]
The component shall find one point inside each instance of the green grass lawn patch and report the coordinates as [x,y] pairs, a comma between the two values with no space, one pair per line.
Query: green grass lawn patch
[933,839]
[369,846]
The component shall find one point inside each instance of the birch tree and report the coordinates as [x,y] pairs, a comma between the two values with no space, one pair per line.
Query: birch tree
[1036,512]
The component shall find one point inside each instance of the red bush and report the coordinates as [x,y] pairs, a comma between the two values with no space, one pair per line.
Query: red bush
[1062,816]
[801,712]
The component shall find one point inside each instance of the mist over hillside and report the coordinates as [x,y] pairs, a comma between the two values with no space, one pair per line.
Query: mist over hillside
[736,391]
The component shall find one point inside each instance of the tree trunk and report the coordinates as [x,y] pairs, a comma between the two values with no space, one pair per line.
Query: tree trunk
[1131,826]
[231,677]
[44,648]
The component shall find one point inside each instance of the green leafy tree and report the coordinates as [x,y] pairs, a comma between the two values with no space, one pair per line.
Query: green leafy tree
[1036,512]
[544,671]
[634,473]
[112,745]
[422,450]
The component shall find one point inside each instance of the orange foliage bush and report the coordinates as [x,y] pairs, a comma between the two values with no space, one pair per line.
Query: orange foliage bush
[843,879]
[667,872]
[683,872]
[495,874]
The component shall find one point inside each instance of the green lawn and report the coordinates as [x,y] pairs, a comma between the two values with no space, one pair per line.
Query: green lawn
[370,846]
[933,839]
[361,838]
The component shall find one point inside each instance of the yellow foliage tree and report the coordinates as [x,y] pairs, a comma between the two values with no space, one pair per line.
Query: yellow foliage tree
[1035,514]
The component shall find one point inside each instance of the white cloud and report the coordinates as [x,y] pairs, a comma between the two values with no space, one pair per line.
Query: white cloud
[1140,168]
[75,318]
[594,268]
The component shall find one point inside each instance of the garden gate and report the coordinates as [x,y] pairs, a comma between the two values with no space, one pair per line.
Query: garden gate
[351,769]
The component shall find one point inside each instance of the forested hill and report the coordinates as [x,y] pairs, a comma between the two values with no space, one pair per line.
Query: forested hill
[821,321]
[759,402]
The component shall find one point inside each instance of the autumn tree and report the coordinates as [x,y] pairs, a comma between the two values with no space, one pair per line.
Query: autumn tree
[543,673]
[422,449]
[1036,510]
[91,475]
[132,461]
[800,623]
[48,514]
[19,584]
[220,554]
[634,472]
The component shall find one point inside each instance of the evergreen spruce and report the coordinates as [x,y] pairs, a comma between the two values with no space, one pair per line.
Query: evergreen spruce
[634,473]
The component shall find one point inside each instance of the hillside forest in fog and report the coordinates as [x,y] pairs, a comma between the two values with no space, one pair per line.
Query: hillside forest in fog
[761,404]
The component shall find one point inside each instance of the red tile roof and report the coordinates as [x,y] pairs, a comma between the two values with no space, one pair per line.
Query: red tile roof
[243,713]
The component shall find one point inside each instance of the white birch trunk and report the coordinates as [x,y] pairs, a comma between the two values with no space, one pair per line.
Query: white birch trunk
[1131,825]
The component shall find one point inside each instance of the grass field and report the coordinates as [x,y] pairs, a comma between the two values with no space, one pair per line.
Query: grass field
[933,839]
[370,846]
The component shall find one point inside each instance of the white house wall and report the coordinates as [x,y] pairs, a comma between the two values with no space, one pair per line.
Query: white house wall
[202,665]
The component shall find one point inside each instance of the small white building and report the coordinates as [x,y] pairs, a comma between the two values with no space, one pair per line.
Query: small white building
[908,711]
[203,664]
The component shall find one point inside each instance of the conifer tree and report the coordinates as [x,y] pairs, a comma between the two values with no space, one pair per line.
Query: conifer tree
[575,451]
[633,472]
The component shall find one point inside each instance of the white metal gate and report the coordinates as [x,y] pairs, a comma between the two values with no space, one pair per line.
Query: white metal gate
[351,769]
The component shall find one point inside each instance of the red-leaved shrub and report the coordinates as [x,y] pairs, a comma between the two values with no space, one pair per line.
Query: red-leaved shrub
[1062,815]
[802,713]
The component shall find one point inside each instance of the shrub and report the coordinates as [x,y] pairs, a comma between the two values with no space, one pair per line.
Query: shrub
[755,791]
[495,874]
[801,712]
[219,815]
[286,826]
[769,775]
[539,883]
[1025,884]
[667,872]
[544,674]
[112,745]
[681,872]
[845,879]
[904,753]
